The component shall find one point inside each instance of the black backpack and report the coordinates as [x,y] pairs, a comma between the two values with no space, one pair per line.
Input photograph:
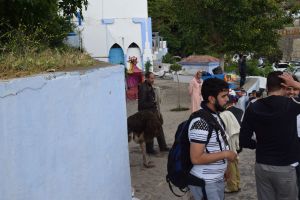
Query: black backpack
[179,164]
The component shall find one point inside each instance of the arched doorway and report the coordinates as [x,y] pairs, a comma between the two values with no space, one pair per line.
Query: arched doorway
[134,50]
[116,55]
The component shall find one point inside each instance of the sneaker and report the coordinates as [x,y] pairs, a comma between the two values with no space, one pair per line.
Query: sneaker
[152,152]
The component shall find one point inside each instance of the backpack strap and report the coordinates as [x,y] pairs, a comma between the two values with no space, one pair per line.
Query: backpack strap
[177,195]
[213,124]
[212,121]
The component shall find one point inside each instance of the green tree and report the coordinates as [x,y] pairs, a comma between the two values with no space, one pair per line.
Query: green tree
[175,68]
[221,27]
[230,26]
[50,17]
[71,7]
[164,21]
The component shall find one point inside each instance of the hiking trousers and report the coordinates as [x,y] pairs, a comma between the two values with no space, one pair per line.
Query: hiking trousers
[276,182]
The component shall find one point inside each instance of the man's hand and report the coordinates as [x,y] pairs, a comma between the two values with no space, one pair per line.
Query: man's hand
[230,155]
[289,81]
[227,174]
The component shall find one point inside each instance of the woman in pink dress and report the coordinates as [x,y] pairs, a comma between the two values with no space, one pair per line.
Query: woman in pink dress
[195,91]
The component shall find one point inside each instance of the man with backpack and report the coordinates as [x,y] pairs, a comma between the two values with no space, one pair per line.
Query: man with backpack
[209,151]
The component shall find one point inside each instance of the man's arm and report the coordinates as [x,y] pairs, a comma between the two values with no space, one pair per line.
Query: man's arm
[246,132]
[199,157]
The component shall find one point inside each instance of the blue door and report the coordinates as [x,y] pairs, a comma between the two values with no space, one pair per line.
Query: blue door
[116,55]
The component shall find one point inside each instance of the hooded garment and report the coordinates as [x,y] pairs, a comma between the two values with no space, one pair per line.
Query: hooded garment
[232,129]
[195,93]
[273,119]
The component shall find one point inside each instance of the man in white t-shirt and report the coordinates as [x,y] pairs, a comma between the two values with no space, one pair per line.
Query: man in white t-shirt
[210,157]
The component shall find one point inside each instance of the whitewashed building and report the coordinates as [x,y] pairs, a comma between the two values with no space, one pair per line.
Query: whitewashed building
[113,30]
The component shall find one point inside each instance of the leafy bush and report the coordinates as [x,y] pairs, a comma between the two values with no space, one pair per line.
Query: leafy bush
[231,68]
[147,66]
[168,58]
[175,67]
[47,16]
[252,69]
[25,54]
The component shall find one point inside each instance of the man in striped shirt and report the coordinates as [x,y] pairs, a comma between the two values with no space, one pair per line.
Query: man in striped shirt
[209,155]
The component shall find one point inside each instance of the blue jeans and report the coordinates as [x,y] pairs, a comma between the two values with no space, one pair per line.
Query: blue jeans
[214,191]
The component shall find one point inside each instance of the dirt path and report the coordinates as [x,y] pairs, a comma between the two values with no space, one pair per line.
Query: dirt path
[150,184]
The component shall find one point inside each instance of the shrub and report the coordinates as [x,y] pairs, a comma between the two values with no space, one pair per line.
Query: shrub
[168,58]
[252,68]
[25,54]
[175,67]
[147,66]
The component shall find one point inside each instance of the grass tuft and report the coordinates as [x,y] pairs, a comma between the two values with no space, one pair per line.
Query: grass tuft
[23,52]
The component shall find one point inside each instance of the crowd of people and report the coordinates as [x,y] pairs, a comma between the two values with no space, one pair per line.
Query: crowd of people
[268,125]
[271,125]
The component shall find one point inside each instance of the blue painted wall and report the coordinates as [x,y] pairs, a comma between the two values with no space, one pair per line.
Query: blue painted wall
[63,136]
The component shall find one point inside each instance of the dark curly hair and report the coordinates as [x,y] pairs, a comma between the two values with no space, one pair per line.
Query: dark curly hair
[212,87]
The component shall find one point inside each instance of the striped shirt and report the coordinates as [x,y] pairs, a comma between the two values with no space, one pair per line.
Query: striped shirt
[198,132]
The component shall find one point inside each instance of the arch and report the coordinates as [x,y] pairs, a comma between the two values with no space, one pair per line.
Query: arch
[134,50]
[116,55]
[133,45]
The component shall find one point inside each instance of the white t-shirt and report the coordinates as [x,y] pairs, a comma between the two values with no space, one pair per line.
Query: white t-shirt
[198,132]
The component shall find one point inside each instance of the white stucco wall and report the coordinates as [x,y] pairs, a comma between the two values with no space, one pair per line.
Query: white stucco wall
[63,136]
[192,69]
[124,8]
[124,32]
[109,22]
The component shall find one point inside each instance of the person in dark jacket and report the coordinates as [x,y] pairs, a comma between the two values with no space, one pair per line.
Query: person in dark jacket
[273,119]
[242,69]
[237,112]
[147,101]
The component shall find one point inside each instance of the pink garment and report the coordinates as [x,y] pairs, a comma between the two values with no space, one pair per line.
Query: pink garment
[195,93]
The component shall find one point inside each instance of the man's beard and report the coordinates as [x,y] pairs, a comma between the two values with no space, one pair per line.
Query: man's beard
[218,107]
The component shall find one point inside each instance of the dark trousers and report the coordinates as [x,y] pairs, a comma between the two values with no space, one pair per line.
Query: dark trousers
[160,140]
[242,80]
